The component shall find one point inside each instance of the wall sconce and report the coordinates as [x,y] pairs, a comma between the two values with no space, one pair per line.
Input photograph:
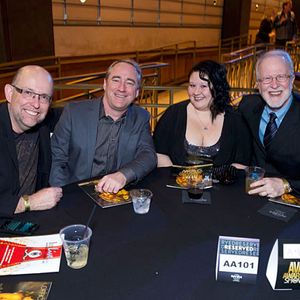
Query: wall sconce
[215,3]
[256,7]
[82,1]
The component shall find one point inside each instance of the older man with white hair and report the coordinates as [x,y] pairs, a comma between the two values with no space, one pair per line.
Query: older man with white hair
[273,117]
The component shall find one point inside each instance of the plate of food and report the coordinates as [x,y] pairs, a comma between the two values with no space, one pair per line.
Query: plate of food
[287,199]
[189,177]
[106,199]
[121,195]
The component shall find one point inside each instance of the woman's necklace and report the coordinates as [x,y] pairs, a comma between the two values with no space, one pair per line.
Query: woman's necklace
[203,125]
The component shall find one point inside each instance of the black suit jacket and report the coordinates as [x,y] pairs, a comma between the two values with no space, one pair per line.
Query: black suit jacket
[283,157]
[9,169]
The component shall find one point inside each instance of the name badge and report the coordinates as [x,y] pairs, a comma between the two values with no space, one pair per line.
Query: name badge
[237,259]
[283,270]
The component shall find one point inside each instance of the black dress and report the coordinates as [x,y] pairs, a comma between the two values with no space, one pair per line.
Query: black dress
[169,137]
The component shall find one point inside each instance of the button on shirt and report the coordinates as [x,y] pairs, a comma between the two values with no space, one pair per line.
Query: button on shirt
[280,114]
[108,132]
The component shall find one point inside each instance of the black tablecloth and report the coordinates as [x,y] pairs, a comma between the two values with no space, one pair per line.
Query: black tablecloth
[169,253]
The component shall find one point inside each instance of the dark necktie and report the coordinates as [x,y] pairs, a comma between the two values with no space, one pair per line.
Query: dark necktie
[270,129]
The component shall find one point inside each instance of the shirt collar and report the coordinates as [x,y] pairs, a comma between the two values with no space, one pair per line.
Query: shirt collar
[103,115]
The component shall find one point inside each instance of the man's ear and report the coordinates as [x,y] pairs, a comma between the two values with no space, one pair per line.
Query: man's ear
[104,84]
[8,91]
[137,93]
[293,80]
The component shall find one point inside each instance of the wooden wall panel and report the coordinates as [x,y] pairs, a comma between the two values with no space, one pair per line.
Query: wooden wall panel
[236,16]
[27,29]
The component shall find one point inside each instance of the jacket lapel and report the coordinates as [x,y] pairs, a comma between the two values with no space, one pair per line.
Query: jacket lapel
[125,135]
[92,118]
[7,133]
[257,112]
[289,123]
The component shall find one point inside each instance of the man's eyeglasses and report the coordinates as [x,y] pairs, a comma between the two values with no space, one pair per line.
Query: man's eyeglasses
[28,94]
[279,78]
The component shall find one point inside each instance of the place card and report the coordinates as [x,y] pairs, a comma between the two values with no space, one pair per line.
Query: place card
[283,270]
[277,211]
[237,259]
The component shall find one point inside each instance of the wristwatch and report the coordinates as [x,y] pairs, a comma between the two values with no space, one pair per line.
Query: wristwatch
[286,186]
[26,202]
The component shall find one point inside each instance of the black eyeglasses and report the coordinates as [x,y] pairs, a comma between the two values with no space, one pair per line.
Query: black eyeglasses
[28,94]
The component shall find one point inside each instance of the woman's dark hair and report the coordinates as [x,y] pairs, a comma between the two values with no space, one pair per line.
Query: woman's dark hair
[218,85]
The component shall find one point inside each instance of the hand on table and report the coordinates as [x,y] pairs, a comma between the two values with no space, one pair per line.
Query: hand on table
[268,187]
[43,199]
[111,183]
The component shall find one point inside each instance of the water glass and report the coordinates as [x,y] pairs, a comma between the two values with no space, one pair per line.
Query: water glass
[141,199]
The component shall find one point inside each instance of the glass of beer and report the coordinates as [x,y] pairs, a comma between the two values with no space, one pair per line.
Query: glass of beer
[76,240]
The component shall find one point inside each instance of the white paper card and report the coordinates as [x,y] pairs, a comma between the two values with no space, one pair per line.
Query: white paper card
[283,270]
[272,267]
[291,251]
[237,259]
[30,254]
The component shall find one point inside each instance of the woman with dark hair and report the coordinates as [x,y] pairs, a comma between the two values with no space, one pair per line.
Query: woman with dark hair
[205,125]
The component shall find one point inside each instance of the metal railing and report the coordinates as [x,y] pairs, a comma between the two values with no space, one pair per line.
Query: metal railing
[240,71]
[232,44]
[151,74]
[59,66]
[240,64]
[155,99]
[180,58]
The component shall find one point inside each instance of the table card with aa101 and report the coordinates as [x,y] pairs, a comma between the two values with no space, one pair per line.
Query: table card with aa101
[283,270]
[237,259]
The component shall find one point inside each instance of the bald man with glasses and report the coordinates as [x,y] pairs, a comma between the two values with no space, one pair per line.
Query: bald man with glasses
[25,156]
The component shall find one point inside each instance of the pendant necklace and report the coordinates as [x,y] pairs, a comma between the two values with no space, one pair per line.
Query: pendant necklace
[203,126]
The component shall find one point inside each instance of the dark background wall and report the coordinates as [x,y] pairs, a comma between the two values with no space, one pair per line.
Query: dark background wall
[236,15]
[26,29]
[296,9]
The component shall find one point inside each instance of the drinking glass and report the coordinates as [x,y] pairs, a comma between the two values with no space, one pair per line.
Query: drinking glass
[253,174]
[76,240]
[141,199]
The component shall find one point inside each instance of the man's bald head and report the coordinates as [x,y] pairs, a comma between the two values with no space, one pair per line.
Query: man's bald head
[29,97]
